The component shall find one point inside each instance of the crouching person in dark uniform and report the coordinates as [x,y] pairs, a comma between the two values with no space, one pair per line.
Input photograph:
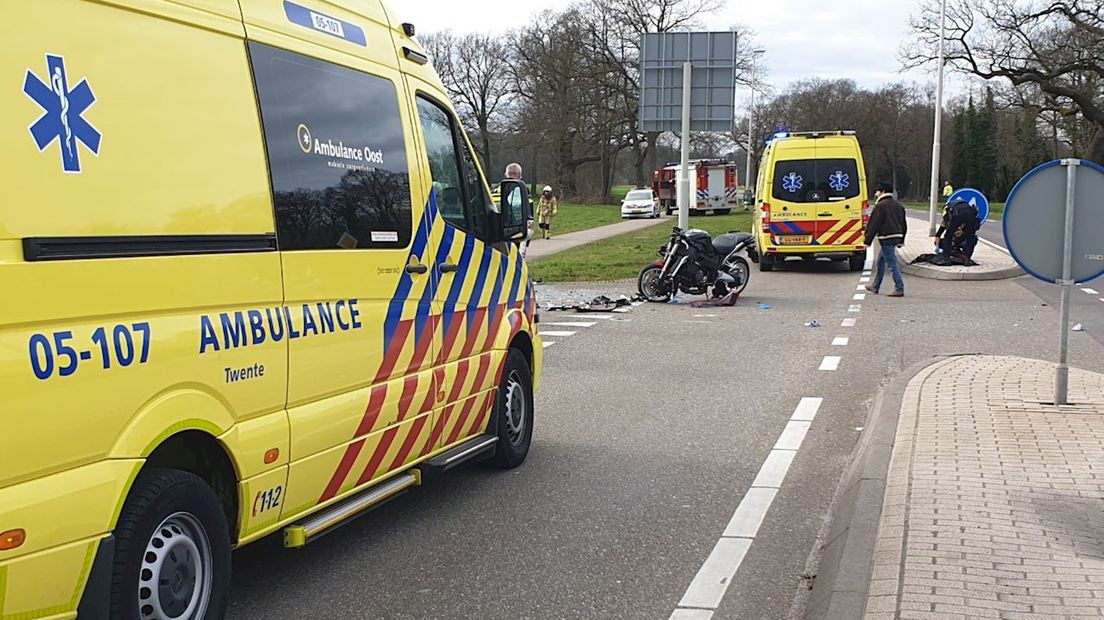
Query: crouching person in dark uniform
[957,236]
[888,225]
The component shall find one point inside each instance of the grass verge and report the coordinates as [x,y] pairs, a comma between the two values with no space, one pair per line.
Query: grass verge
[573,217]
[623,256]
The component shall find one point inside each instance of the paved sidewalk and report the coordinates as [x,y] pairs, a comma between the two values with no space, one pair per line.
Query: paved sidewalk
[993,263]
[539,248]
[994,502]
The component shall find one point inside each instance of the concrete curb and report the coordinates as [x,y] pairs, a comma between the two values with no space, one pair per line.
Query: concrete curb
[846,555]
[936,273]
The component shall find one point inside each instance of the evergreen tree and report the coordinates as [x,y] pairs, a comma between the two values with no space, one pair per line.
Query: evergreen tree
[958,152]
[985,146]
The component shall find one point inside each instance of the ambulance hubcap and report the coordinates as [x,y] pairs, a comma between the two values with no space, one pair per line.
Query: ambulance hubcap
[515,408]
[175,578]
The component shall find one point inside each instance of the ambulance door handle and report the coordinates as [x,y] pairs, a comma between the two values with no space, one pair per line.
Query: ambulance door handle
[448,267]
[824,214]
[417,268]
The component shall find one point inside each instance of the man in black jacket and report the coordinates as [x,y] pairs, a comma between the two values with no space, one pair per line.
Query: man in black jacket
[888,225]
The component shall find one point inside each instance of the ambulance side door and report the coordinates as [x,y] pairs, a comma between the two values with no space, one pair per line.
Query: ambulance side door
[473,274]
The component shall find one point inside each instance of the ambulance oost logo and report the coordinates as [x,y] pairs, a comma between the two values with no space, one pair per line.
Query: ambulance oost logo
[303,137]
[63,117]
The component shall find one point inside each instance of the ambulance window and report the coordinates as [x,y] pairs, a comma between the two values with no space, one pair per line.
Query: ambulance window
[444,165]
[815,180]
[336,153]
[461,194]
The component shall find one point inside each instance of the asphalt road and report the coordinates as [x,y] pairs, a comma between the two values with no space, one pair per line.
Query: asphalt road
[651,428]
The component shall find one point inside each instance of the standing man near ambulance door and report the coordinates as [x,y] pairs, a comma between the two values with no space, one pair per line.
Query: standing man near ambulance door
[888,225]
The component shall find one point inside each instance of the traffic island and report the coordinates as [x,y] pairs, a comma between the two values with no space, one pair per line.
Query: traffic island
[991,499]
[992,263]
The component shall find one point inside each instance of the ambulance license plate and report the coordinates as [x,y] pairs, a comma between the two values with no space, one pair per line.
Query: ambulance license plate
[795,239]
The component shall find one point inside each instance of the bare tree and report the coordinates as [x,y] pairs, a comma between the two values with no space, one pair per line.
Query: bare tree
[472,68]
[1055,46]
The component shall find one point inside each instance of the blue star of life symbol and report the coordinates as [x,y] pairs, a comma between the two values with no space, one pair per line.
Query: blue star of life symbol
[63,118]
[839,181]
[792,182]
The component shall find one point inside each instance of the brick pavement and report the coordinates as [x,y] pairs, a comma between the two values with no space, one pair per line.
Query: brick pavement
[994,503]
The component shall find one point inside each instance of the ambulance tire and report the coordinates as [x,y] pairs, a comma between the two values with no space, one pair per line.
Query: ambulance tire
[514,412]
[171,510]
[766,262]
[857,262]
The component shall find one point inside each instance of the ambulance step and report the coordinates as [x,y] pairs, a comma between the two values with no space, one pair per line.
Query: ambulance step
[477,446]
[342,512]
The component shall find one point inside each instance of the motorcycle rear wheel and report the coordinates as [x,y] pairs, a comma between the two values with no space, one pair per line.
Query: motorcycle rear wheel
[741,270]
[651,287]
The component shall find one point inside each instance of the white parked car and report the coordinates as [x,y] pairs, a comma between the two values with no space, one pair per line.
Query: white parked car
[640,203]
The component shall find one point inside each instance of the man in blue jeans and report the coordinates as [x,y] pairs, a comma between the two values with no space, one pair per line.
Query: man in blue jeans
[888,225]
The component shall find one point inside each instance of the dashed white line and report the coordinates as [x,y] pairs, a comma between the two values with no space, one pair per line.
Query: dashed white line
[807,409]
[583,324]
[830,362]
[545,344]
[708,587]
[840,341]
[860,287]
[864,279]
[1091,291]
[554,334]
[848,323]
[859,296]
[854,308]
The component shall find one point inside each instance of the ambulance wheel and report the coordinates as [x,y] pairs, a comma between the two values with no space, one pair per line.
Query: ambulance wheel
[172,553]
[856,263]
[766,262]
[514,412]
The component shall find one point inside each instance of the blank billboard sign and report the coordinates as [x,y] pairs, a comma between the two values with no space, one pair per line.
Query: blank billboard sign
[713,80]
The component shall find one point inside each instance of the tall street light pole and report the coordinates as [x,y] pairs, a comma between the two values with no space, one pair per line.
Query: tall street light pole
[936,146]
[751,131]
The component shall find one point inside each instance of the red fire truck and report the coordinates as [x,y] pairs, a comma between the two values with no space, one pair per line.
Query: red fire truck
[713,182]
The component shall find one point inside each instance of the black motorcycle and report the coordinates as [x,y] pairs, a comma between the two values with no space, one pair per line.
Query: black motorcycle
[693,262]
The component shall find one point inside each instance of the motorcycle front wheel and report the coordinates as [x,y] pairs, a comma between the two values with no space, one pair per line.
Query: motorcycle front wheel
[651,286]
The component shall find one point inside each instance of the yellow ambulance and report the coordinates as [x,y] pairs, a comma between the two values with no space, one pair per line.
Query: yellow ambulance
[811,199]
[252,282]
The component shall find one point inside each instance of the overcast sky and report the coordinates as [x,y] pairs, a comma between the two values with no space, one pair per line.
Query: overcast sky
[802,38]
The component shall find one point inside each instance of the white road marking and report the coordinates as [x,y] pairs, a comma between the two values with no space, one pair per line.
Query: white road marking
[600,317]
[855,308]
[840,341]
[545,344]
[866,274]
[774,469]
[1091,291]
[709,585]
[554,334]
[749,514]
[859,296]
[691,614]
[864,279]
[830,362]
[807,409]
[621,310]
[793,435]
[704,316]
[860,287]
[848,323]
[1102,299]
[699,322]
[585,324]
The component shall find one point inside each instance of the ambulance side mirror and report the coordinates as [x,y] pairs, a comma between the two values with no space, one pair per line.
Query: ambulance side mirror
[516,210]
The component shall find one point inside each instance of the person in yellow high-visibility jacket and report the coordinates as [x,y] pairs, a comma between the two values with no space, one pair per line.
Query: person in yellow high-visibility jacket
[947,190]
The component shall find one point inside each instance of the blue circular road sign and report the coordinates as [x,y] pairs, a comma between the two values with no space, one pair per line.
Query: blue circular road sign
[975,198]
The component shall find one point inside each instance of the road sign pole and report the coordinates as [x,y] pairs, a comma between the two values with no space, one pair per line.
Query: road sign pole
[684,185]
[747,166]
[937,140]
[1061,376]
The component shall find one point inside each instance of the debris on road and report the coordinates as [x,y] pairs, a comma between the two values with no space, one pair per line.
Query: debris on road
[727,300]
[1078,328]
[600,303]
[813,323]
[764,306]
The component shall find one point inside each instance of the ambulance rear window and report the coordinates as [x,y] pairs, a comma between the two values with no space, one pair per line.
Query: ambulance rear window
[336,153]
[815,180]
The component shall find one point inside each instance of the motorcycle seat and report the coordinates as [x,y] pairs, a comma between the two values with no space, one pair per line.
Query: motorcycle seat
[724,244]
